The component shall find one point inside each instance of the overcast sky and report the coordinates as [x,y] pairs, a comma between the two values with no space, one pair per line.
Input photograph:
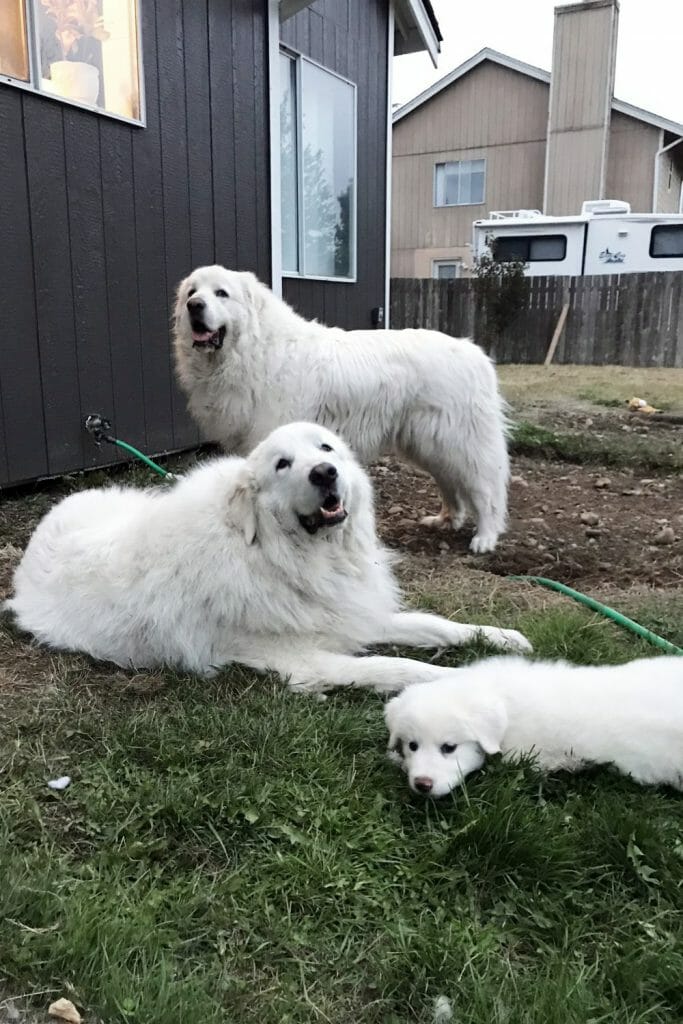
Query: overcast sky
[649,62]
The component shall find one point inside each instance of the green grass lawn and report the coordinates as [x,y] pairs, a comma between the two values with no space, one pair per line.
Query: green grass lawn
[228,851]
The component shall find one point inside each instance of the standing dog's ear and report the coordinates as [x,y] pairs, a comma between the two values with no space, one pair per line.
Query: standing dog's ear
[242,507]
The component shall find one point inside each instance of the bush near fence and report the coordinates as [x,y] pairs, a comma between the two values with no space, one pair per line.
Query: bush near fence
[620,319]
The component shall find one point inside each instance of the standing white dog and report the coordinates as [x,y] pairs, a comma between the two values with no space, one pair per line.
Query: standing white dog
[566,716]
[271,561]
[249,363]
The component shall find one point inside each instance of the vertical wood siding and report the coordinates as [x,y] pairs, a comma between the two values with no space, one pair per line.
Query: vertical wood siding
[350,37]
[99,220]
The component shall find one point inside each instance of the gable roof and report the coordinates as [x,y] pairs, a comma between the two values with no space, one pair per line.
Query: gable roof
[530,71]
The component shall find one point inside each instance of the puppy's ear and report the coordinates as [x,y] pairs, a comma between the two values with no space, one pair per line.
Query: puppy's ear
[391,720]
[488,724]
[242,506]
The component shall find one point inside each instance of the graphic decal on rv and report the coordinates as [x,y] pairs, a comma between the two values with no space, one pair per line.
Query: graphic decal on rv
[612,257]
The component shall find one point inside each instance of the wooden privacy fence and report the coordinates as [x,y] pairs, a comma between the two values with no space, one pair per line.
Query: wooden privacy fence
[624,320]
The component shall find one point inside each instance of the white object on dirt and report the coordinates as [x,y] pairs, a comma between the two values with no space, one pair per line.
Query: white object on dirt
[443,1011]
[65,1010]
[61,783]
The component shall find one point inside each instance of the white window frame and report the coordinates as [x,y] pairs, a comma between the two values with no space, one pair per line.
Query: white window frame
[301,275]
[468,160]
[34,71]
[454,262]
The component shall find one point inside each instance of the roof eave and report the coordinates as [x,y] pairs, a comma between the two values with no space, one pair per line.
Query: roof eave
[415,30]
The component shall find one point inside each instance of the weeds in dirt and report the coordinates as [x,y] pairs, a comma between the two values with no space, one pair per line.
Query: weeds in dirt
[584,447]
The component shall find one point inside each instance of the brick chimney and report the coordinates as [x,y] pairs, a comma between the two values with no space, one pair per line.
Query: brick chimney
[580,105]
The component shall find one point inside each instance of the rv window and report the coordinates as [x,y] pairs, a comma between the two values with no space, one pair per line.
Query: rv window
[531,249]
[666,240]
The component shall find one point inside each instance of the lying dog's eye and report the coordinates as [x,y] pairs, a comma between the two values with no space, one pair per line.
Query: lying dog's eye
[326,447]
[191,292]
[220,293]
[413,745]
[284,464]
[448,748]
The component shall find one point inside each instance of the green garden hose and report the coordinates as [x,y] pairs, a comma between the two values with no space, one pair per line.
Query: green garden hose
[99,428]
[603,609]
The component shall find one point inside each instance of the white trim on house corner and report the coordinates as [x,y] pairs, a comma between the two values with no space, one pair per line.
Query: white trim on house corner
[274,132]
[532,72]
[391,28]
[414,10]
[656,177]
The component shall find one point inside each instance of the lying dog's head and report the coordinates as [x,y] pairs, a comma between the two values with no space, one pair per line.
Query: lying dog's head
[440,732]
[304,480]
[214,304]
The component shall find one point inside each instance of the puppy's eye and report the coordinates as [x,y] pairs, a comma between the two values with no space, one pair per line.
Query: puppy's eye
[448,748]
[326,447]
[220,293]
[284,464]
[412,745]
[191,292]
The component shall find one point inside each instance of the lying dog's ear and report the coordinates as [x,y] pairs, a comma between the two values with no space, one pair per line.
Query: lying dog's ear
[488,724]
[242,506]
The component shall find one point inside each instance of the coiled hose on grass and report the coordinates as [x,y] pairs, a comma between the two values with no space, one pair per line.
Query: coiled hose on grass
[603,609]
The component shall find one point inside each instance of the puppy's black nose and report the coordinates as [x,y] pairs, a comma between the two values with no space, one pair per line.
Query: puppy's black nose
[323,475]
[424,784]
[195,304]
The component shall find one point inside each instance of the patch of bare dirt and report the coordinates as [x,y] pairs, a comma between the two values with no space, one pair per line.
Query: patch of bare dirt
[582,525]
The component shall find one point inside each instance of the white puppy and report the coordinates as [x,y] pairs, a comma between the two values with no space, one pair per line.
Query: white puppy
[249,363]
[567,717]
[271,561]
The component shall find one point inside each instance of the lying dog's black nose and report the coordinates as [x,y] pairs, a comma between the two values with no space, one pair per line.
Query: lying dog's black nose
[323,475]
[195,304]
[424,784]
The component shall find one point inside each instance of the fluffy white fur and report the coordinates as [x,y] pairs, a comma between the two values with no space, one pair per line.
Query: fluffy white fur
[249,363]
[567,717]
[228,565]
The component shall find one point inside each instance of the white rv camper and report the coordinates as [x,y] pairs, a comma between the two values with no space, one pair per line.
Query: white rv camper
[606,238]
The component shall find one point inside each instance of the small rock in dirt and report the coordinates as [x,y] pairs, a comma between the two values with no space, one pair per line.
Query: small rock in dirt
[64,1009]
[648,481]
[635,492]
[665,536]
[519,481]
[536,522]
[443,546]
[590,518]
[602,483]
[396,510]
[592,540]
[605,566]
[594,531]
[406,522]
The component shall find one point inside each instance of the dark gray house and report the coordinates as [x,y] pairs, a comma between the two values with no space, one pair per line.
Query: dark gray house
[140,138]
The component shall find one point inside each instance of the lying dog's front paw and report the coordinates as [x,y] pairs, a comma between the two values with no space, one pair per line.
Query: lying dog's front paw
[508,640]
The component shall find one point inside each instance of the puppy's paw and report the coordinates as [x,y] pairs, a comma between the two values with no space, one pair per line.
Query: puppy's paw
[507,640]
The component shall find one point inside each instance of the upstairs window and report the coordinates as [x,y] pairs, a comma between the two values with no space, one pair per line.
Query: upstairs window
[460,183]
[85,52]
[318,171]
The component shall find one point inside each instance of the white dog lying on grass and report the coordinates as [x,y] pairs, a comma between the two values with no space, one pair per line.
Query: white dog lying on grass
[271,561]
[566,716]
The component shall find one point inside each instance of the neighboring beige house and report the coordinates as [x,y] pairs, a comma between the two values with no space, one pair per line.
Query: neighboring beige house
[498,134]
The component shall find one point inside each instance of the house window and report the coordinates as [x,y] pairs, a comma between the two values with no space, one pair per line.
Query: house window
[82,51]
[318,171]
[529,248]
[446,270]
[666,240]
[459,183]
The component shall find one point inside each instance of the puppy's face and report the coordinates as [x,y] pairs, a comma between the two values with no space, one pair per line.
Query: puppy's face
[213,304]
[304,478]
[439,734]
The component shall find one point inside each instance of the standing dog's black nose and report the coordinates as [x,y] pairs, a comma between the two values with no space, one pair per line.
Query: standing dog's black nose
[323,475]
[195,304]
